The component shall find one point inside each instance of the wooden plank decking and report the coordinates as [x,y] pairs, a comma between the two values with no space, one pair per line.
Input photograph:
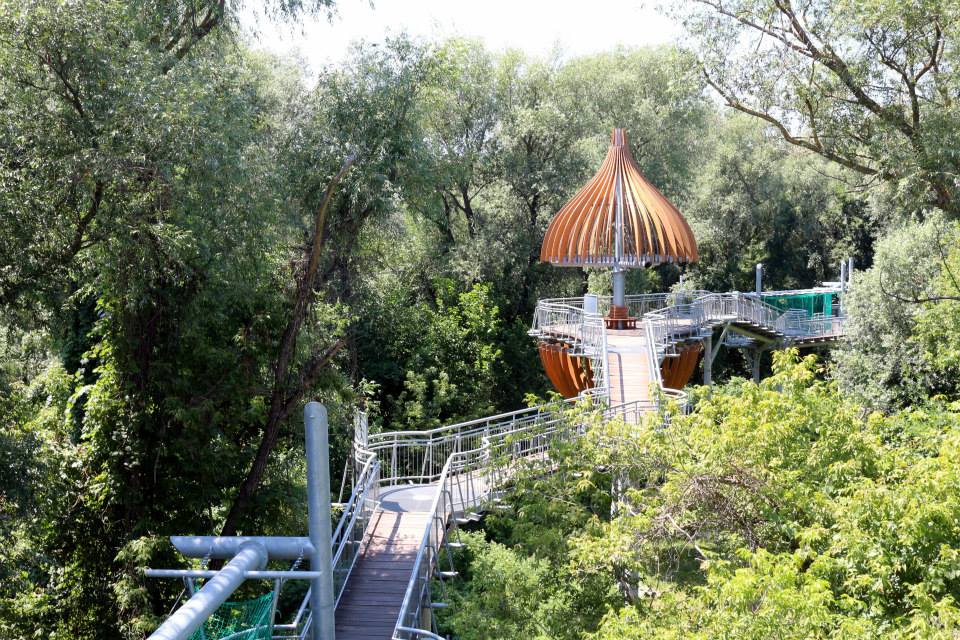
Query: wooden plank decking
[371,602]
[628,366]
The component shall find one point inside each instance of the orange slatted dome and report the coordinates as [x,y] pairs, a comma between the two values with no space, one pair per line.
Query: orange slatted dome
[583,231]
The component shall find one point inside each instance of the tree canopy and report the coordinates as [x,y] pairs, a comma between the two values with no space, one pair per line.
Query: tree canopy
[197,238]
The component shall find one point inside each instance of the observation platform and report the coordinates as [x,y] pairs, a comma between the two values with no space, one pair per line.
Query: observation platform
[580,352]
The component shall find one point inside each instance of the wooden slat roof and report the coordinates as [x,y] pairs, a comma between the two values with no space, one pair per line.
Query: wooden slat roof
[654,231]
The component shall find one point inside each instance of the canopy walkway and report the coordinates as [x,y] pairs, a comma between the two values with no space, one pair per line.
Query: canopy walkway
[411,489]
[624,364]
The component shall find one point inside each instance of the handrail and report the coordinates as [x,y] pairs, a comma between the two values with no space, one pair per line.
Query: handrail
[672,324]
[670,318]
[353,523]
[468,479]
[346,540]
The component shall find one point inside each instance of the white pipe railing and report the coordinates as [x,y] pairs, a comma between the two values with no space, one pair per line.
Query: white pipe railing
[470,478]
[251,556]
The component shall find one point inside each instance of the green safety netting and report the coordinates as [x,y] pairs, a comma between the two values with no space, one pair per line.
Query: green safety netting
[245,620]
[812,303]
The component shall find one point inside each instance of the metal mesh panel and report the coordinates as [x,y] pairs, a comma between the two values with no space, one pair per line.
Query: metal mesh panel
[245,620]
[811,303]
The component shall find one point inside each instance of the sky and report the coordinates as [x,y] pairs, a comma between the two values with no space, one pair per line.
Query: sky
[535,26]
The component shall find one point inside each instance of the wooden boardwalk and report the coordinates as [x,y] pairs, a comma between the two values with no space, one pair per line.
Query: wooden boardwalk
[371,602]
[628,366]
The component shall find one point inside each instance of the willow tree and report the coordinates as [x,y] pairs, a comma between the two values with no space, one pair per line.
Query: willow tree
[870,85]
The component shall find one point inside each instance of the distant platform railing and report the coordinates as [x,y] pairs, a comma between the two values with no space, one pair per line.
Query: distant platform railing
[677,317]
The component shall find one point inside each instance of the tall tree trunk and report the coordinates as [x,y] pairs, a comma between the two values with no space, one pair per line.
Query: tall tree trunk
[283,398]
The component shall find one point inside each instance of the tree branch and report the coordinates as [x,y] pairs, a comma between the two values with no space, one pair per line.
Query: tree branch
[281,400]
[785,133]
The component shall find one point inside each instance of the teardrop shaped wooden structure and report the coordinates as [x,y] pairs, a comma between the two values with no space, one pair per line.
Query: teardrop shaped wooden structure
[584,232]
[569,375]
[676,371]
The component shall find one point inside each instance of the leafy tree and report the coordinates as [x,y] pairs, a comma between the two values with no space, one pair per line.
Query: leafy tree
[439,362]
[779,509]
[756,201]
[867,85]
[883,360]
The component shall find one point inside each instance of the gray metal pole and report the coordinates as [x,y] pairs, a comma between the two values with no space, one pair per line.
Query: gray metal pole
[759,278]
[849,272]
[590,303]
[708,360]
[194,613]
[619,276]
[318,509]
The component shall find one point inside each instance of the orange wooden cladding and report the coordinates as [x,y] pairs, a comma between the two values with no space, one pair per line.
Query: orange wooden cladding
[569,375]
[654,231]
[677,371]
[572,375]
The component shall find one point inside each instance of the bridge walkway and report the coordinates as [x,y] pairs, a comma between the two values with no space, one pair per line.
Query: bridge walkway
[628,367]
[371,602]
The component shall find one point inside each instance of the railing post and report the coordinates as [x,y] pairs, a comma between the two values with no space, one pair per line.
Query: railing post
[318,511]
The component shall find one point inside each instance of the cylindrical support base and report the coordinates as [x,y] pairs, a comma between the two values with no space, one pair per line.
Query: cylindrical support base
[619,288]
[318,508]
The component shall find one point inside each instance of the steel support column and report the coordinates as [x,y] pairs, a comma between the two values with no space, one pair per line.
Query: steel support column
[318,509]
[708,360]
[755,363]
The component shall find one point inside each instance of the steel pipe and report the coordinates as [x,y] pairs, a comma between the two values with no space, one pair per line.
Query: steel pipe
[278,548]
[318,511]
[188,618]
[249,575]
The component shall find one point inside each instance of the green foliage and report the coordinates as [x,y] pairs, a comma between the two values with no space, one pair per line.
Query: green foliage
[863,83]
[774,510]
[158,183]
[938,325]
[438,363]
[756,200]
[897,348]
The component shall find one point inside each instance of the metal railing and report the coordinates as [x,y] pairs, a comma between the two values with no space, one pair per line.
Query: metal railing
[347,538]
[669,319]
[565,319]
[419,457]
[678,323]
[472,477]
